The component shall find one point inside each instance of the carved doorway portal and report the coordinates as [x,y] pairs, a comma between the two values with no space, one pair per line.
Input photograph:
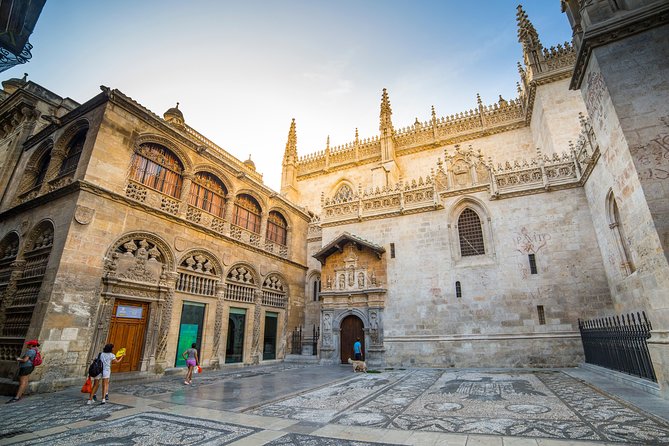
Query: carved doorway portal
[351,329]
[128,329]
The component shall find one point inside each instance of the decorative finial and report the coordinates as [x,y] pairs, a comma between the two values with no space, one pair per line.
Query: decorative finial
[25,77]
[177,107]
[527,35]
[434,114]
[478,100]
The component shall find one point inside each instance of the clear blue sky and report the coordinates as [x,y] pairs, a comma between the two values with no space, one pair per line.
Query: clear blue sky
[242,69]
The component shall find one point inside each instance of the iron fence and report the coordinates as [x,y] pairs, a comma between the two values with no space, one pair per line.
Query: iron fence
[298,340]
[619,343]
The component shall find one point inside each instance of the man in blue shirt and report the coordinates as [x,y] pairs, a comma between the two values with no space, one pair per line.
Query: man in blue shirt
[357,350]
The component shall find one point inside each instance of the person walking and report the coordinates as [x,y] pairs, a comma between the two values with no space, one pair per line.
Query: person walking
[190,356]
[357,350]
[26,367]
[108,358]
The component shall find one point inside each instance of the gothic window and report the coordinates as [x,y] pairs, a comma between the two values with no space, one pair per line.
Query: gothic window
[315,288]
[240,284]
[615,224]
[247,213]
[276,228]
[208,193]
[155,166]
[198,274]
[274,291]
[19,312]
[470,234]
[42,167]
[344,193]
[74,149]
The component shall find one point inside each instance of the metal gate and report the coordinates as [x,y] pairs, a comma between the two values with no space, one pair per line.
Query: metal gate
[619,343]
[297,340]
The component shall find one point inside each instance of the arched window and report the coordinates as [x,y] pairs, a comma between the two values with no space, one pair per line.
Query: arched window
[156,167]
[74,149]
[626,264]
[470,234]
[344,193]
[247,213]
[208,193]
[276,228]
[42,167]
[316,288]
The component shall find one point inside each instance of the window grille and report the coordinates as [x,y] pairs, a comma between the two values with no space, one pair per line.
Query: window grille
[274,299]
[533,264]
[191,283]
[470,233]
[277,228]
[541,314]
[458,289]
[74,149]
[156,167]
[208,193]
[239,293]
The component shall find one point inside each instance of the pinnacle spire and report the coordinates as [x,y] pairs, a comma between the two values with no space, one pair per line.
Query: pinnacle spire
[290,155]
[527,35]
[386,113]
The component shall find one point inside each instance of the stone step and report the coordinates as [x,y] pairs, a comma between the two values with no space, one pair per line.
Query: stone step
[301,359]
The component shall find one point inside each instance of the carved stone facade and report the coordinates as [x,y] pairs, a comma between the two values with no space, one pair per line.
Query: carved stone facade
[80,258]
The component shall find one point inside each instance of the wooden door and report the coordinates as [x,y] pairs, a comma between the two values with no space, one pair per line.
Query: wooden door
[351,329]
[128,329]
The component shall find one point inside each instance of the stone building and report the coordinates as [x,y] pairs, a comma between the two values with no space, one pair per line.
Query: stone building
[471,240]
[120,226]
[499,227]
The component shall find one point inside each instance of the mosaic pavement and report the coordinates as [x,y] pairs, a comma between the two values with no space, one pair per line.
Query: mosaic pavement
[35,413]
[149,428]
[311,440]
[540,405]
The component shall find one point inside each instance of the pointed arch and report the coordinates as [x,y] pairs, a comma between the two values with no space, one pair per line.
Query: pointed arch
[470,229]
[343,192]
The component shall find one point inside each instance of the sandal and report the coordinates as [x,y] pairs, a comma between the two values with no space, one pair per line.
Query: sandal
[13,400]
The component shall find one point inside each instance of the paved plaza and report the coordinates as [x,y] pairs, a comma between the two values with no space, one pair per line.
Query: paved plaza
[318,405]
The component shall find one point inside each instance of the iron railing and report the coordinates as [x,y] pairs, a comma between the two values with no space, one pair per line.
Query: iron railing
[298,339]
[619,343]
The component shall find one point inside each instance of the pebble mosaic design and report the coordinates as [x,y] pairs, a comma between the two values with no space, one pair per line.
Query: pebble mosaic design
[35,413]
[542,404]
[149,428]
[312,440]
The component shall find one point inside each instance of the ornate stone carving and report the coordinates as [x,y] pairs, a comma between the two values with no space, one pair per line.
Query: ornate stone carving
[83,215]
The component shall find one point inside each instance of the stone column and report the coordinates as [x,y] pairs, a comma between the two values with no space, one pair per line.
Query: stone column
[216,357]
[256,352]
[185,191]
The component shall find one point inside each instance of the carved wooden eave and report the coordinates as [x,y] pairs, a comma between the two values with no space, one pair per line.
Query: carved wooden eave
[616,29]
[337,245]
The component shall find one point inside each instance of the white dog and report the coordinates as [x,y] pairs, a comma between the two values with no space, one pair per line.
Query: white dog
[358,366]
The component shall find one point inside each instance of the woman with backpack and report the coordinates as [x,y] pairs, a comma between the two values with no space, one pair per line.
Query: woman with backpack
[107,358]
[27,364]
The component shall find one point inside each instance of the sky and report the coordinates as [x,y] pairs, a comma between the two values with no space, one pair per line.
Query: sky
[241,70]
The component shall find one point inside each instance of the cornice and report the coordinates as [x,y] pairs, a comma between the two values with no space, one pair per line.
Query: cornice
[612,31]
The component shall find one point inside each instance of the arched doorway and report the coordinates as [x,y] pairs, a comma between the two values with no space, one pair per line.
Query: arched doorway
[351,329]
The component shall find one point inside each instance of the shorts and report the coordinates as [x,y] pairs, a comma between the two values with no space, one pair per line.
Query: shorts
[358,356]
[25,371]
[191,362]
[105,374]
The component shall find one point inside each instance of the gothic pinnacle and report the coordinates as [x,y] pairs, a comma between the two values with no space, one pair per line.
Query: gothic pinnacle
[290,155]
[386,113]
[527,35]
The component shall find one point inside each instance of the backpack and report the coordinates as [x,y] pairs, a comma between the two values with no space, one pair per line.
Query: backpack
[96,367]
[37,360]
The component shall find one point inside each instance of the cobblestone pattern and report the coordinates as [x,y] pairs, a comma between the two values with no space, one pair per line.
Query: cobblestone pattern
[311,440]
[46,411]
[539,405]
[149,429]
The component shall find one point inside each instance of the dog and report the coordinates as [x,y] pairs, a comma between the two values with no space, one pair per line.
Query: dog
[358,366]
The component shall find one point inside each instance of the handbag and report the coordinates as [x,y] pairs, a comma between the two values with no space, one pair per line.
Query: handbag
[87,387]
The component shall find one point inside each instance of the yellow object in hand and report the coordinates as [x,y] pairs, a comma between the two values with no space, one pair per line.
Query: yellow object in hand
[120,352]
